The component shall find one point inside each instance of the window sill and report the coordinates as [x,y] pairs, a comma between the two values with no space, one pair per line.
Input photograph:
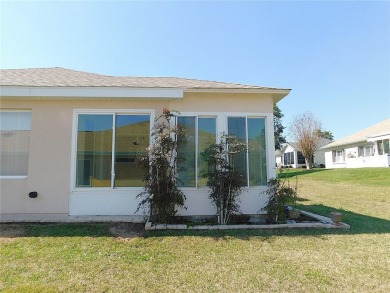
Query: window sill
[105,189]
[208,188]
[13,177]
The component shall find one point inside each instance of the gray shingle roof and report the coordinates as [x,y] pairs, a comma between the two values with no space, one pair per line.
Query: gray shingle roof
[61,77]
[382,128]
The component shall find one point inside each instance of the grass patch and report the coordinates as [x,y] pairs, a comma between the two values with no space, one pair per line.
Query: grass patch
[94,257]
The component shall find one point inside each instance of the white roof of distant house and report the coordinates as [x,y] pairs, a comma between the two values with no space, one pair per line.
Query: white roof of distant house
[377,130]
[321,143]
[61,77]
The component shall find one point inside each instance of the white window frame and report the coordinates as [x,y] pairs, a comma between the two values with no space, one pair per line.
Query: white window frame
[222,127]
[218,135]
[368,151]
[290,154]
[19,111]
[364,150]
[76,113]
[335,160]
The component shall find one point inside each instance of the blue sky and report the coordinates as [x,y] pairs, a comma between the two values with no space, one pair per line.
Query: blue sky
[334,55]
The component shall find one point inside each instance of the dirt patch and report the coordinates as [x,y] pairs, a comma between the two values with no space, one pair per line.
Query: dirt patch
[127,231]
[9,232]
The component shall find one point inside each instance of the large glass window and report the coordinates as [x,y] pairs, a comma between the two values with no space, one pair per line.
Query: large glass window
[131,141]
[207,131]
[94,150]
[252,164]
[257,157]
[186,149]
[237,128]
[338,156]
[301,158]
[288,158]
[383,147]
[15,127]
[199,132]
[366,151]
[386,146]
[107,142]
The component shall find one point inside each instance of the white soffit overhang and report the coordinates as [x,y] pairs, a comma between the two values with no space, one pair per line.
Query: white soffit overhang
[276,94]
[90,92]
[74,93]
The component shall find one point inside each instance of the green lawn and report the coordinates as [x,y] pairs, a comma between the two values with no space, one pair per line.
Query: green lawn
[90,258]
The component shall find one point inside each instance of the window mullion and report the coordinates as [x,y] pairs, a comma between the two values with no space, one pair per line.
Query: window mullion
[196,150]
[113,151]
[247,151]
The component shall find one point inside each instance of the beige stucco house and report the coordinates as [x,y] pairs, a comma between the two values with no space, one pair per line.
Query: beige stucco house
[71,141]
[366,148]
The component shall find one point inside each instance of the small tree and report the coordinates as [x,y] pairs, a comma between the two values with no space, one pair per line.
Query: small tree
[224,179]
[162,196]
[304,130]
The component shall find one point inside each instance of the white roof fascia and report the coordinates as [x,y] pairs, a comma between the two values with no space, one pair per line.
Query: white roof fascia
[355,142]
[347,144]
[95,92]
[242,90]
[378,137]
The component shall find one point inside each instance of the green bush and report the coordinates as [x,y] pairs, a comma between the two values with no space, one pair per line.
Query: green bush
[280,194]
[223,178]
[162,196]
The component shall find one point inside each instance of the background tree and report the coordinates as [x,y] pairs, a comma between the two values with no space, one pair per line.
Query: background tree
[278,128]
[304,130]
[325,134]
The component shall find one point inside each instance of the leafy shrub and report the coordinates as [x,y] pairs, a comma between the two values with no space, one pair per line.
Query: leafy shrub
[280,194]
[162,196]
[223,178]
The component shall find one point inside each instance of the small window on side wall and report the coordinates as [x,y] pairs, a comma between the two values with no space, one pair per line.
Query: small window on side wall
[15,127]
[338,156]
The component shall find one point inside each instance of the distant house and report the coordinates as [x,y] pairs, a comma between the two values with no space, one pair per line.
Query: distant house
[290,155]
[278,157]
[366,148]
[71,141]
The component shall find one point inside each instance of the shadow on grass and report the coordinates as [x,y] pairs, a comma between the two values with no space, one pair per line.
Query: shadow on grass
[360,224]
